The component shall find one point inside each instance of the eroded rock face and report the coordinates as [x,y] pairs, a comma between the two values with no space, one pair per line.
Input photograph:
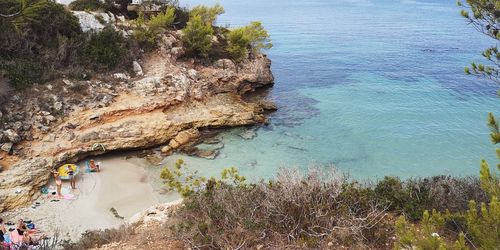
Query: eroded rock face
[22,182]
[167,105]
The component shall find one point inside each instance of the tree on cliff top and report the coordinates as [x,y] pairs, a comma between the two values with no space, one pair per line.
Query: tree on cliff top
[252,38]
[484,15]
[197,37]
[208,14]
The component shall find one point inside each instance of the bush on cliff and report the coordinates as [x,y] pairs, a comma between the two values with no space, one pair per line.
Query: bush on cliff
[88,5]
[163,20]
[238,43]
[105,50]
[35,40]
[252,38]
[40,40]
[197,37]
[207,14]
[146,31]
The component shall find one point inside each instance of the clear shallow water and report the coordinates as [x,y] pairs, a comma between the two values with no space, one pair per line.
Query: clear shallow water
[373,87]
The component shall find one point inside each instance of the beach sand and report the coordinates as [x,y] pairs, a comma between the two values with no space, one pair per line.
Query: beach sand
[121,184]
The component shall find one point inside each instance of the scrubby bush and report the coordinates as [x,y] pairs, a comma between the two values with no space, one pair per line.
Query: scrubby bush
[105,49]
[98,238]
[197,37]
[162,20]
[30,41]
[207,14]
[146,32]
[44,40]
[480,227]
[295,209]
[426,235]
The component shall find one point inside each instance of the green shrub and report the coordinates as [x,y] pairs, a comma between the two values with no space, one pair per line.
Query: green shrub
[238,43]
[87,5]
[426,235]
[105,49]
[207,14]
[253,37]
[259,38]
[197,37]
[163,20]
[145,36]
[146,32]
[38,42]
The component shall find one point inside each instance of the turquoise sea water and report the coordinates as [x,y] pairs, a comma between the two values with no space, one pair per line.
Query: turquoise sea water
[371,87]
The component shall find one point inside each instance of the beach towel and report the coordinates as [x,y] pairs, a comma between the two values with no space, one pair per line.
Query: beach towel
[15,238]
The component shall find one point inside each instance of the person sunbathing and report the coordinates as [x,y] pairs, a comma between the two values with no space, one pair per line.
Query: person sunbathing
[21,227]
[29,240]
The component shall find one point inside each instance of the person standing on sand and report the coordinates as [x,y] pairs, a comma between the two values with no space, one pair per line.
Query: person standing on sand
[71,175]
[58,180]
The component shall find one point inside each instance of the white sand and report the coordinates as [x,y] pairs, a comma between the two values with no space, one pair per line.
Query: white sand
[121,184]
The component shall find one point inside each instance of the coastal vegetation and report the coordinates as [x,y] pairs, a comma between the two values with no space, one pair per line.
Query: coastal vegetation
[41,40]
[318,209]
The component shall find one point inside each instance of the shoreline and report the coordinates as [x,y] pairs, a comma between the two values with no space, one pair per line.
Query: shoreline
[122,184]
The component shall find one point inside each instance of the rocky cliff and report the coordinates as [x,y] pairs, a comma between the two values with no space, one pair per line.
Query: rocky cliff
[164,101]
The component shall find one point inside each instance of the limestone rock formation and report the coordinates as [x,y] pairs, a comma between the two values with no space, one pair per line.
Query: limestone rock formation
[168,105]
[93,21]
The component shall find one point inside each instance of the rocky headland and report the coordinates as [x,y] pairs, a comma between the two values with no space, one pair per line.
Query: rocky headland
[165,100]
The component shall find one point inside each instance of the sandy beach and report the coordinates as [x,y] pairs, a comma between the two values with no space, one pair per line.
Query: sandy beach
[121,184]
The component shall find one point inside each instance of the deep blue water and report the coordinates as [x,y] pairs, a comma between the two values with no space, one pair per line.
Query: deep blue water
[372,87]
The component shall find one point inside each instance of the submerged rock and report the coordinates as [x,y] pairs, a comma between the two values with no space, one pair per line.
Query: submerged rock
[248,134]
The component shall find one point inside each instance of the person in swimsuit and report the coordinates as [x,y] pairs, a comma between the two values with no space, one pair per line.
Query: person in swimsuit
[28,240]
[71,175]
[58,180]
[93,167]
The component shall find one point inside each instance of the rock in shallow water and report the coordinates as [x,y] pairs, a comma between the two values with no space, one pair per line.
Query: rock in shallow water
[248,134]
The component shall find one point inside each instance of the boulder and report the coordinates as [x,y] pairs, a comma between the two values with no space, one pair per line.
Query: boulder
[93,21]
[12,136]
[7,147]
[58,106]
[207,154]
[68,83]
[177,52]
[267,105]
[121,76]
[137,68]
[184,137]
[157,213]
[225,64]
